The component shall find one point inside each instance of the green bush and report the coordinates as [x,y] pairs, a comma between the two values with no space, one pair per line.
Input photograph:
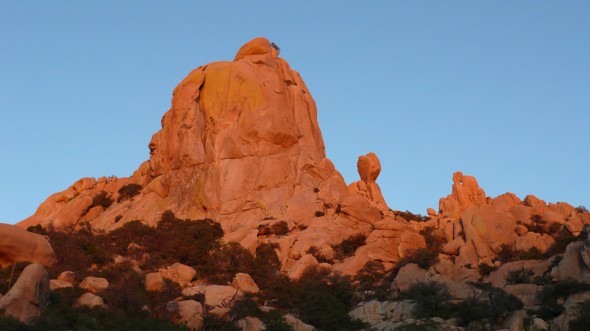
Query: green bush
[485,269]
[409,216]
[370,282]
[315,251]
[582,322]
[431,298]
[551,295]
[318,297]
[491,304]
[521,276]
[279,228]
[102,199]
[420,325]
[225,262]
[562,239]
[128,191]
[433,237]
[348,246]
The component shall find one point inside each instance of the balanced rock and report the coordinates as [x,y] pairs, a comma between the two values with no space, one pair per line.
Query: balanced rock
[18,245]
[466,193]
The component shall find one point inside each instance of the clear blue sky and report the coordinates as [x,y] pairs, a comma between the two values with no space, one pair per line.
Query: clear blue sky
[499,90]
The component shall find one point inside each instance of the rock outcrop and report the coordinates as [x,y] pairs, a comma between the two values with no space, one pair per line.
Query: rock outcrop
[477,228]
[241,145]
[18,245]
[29,295]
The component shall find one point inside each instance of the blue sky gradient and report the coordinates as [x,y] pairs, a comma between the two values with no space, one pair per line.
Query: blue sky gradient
[498,90]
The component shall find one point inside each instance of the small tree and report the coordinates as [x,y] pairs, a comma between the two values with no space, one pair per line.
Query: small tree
[128,191]
[432,299]
[348,246]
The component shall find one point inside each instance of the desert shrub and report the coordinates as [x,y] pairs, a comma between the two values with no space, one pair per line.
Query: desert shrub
[8,323]
[247,305]
[491,304]
[62,315]
[538,224]
[562,239]
[554,293]
[128,191]
[431,298]
[266,265]
[173,240]
[185,241]
[315,251]
[582,322]
[38,229]
[319,213]
[370,282]
[485,269]
[102,199]
[582,209]
[280,228]
[348,246]
[127,293]
[433,237]
[79,250]
[215,323]
[409,216]
[318,297]
[521,276]
[508,253]
[471,309]
[423,257]
[273,320]
[9,275]
[420,325]
[225,262]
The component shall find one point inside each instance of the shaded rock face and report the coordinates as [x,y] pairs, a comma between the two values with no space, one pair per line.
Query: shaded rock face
[29,295]
[241,145]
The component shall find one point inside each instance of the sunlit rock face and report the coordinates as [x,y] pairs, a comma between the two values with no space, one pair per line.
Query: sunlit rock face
[241,145]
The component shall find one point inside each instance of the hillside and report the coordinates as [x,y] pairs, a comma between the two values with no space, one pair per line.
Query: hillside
[238,220]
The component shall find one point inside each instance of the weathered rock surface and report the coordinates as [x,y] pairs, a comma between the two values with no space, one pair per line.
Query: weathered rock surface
[374,312]
[244,283]
[179,273]
[67,276]
[215,295]
[240,145]
[155,282]
[189,312]
[28,296]
[251,324]
[90,300]
[297,324]
[55,284]
[94,284]
[18,245]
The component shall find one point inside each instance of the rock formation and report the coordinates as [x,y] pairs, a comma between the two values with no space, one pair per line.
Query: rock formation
[18,245]
[477,227]
[241,145]
[29,295]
